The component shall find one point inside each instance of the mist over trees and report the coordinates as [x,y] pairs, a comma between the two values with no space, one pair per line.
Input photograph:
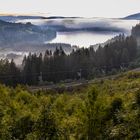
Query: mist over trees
[106,110]
[85,63]
[18,34]
[89,63]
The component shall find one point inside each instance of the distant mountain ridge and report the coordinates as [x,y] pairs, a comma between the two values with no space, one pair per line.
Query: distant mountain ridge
[133,17]
[65,24]
[12,18]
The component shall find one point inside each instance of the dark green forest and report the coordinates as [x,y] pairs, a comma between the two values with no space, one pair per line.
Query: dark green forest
[83,63]
[121,54]
[89,63]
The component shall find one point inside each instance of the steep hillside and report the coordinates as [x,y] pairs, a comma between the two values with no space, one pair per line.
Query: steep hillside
[12,34]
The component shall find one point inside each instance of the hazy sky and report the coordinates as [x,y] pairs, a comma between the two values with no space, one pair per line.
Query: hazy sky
[85,8]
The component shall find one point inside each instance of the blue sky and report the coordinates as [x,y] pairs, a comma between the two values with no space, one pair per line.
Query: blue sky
[85,8]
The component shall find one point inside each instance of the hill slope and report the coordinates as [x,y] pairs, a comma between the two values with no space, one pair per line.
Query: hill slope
[133,17]
[109,111]
[17,33]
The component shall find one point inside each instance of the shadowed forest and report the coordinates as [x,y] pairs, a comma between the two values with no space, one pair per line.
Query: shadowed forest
[85,63]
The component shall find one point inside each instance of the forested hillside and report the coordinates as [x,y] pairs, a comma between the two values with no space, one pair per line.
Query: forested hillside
[84,63]
[17,34]
[136,33]
[107,109]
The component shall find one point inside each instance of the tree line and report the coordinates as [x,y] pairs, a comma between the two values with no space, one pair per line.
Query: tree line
[85,63]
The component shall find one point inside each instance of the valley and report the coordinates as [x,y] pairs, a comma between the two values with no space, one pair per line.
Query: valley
[69,70]
[26,34]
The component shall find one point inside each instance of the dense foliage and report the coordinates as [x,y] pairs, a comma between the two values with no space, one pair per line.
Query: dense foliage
[136,33]
[84,63]
[106,110]
[9,72]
